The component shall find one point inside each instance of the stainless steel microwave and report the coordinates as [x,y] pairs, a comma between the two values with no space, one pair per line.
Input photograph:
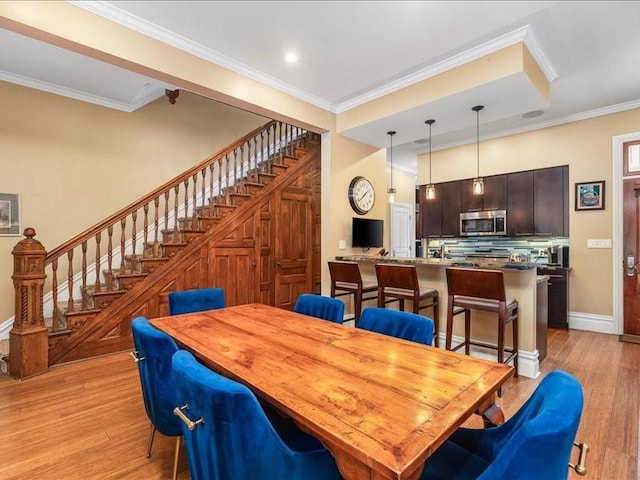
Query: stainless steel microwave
[492,222]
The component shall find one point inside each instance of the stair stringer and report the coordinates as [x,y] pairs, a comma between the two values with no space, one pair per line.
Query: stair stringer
[109,331]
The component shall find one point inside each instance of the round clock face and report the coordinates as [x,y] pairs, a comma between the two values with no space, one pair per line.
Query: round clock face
[361,195]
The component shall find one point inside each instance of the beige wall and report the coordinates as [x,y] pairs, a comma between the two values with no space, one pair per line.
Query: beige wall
[76,29]
[348,159]
[586,147]
[74,163]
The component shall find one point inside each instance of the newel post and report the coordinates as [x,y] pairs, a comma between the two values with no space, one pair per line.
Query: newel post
[28,339]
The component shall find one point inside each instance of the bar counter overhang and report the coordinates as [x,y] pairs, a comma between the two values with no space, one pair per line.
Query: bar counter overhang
[520,280]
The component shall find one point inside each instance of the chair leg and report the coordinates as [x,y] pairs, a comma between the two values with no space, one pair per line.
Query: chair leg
[447,342]
[515,345]
[467,331]
[357,307]
[436,321]
[153,432]
[175,458]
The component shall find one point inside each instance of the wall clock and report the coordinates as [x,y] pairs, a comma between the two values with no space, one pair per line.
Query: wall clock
[361,195]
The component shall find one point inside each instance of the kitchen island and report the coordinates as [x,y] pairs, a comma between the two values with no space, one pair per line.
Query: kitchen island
[520,279]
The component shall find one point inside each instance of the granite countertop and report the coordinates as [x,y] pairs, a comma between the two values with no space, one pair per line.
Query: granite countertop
[491,264]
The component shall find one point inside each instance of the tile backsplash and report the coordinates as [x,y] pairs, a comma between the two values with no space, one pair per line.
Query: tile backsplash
[457,248]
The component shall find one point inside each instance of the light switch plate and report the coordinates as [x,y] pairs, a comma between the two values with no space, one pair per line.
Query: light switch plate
[599,243]
[342,244]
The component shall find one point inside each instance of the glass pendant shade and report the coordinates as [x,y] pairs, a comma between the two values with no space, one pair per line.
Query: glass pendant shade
[478,186]
[430,192]
[392,195]
[478,182]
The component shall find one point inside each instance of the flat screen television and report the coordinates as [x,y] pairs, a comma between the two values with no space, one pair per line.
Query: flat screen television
[366,232]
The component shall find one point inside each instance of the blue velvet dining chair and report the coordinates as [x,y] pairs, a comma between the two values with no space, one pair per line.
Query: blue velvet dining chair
[318,306]
[198,300]
[153,352]
[229,437]
[534,444]
[406,325]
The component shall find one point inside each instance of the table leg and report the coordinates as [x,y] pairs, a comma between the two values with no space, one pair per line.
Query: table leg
[492,415]
[352,468]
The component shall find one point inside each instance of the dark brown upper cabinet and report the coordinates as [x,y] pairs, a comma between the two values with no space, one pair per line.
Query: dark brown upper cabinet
[468,201]
[430,213]
[494,197]
[536,201]
[450,202]
[550,201]
[520,204]
[495,193]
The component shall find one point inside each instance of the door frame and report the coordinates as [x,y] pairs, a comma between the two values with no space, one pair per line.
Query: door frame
[412,226]
[617,143]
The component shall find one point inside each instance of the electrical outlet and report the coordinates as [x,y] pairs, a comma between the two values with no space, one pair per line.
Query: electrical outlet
[342,244]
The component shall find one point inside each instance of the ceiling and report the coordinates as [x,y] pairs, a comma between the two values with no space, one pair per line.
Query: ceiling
[352,52]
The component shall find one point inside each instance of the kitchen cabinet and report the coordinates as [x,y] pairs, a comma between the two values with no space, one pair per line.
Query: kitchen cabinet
[536,201]
[494,197]
[565,199]
[495,193]
[468,201]
[520,204]
[430,213]
[558,296]
[450,208]
[550,201]
[441,215]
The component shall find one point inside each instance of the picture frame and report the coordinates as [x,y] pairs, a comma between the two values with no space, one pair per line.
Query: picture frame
[9,215]
[589,195]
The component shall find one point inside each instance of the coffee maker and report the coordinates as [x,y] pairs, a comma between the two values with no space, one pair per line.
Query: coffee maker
[558,255]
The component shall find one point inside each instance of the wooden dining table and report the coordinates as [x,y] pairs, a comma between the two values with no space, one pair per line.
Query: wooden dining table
[380,404]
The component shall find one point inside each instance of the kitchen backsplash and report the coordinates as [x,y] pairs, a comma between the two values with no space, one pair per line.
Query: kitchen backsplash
[459,248]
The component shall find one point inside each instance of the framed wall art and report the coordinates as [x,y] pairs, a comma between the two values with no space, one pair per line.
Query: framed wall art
[9,215]
[590,195]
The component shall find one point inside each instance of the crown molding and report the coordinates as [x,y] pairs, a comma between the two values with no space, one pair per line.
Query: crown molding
[115,14]
[531,41]
[138,102]
[597,112]
[522,34]
[133,22]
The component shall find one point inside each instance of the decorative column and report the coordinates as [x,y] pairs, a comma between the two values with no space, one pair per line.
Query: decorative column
[29,338]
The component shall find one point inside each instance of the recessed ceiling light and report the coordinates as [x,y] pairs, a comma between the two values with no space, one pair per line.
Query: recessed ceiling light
[420,141]
[533,114]
[291,57]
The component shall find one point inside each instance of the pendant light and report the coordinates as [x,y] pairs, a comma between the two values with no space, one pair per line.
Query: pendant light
[478,182]
[430,191]
[391,191]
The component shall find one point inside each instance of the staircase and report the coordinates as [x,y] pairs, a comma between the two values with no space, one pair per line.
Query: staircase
[127,264]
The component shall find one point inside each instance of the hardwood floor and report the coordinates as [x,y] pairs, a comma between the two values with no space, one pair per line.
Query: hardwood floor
[86,420]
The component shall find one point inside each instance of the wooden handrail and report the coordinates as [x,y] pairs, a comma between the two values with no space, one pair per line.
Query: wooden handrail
[124,212]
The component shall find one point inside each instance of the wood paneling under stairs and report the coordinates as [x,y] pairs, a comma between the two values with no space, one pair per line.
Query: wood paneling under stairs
[86,420]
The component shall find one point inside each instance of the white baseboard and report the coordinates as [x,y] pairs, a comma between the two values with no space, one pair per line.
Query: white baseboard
[591,322]
[528,362]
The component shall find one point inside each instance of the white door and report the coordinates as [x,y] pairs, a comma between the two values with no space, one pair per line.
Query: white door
[402,230]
